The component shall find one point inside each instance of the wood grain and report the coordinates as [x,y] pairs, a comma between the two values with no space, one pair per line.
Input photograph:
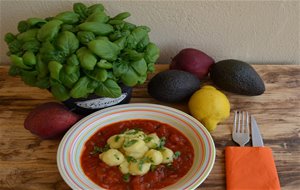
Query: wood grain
[26,162]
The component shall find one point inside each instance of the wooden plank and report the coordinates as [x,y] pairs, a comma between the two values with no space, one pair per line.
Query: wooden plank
[26,162]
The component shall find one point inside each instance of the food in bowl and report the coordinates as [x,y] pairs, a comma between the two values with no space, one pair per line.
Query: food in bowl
[73,144]
[137,154]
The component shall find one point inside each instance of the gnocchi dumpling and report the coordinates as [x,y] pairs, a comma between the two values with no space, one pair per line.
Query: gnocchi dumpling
[112,157]
[124,167]
[116,141]
[135,155]
[152,140]
[167,155]
[154,156]
[135,148]
[138,168]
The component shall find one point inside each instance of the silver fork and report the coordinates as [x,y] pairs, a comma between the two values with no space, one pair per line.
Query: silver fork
[240,133]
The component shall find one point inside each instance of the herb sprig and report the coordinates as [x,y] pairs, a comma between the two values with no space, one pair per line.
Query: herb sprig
[176,154]
[143,161]
[98,150]
[162,143]
[130,143]
[126,177]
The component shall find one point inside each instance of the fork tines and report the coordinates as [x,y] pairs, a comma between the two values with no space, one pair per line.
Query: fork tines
[240,133]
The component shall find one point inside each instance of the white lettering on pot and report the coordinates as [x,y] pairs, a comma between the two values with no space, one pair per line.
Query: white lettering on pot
[101,102]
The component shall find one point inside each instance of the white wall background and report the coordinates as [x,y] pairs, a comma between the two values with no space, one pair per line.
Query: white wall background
[257,31]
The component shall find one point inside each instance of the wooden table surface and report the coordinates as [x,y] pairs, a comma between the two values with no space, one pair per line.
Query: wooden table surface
[27,162]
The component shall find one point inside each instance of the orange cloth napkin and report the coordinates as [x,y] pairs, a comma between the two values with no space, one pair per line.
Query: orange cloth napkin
[250,168]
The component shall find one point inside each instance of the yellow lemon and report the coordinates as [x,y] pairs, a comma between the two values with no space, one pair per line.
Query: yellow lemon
[209,106]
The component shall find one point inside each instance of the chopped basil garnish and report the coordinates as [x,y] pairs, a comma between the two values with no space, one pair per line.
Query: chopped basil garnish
[148,139]
[176,154]
[129,143]
[153,167]
[98,149]
[116,157]
[117,138]
[162,143]
[126,177]
[141,166]
[144,160]
[148,159]
[131,159]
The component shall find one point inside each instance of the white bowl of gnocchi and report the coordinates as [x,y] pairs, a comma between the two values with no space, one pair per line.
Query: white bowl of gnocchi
[136,146]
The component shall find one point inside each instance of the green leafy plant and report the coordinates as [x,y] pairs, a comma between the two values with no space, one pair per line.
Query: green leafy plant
[81,52]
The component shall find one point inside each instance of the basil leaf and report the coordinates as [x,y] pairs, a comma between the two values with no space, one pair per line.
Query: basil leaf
[67,42]
[151,56]
[60,92]
[108,88]
[140,67]
[29,77]
[43,83]
[97,74]
[86,58]
[105,49]
[130,78]
[82,88]
[81,10]
[69,80]
[49,30]
[132,55]
[130,73]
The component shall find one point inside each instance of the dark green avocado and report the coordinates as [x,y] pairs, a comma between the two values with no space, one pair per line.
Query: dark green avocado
[173,85]
[237,77]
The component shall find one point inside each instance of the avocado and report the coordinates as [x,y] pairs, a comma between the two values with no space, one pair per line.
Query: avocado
[173,85]
[237,77]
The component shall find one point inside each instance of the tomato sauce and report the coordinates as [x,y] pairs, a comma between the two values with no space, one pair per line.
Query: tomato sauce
[111,178]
